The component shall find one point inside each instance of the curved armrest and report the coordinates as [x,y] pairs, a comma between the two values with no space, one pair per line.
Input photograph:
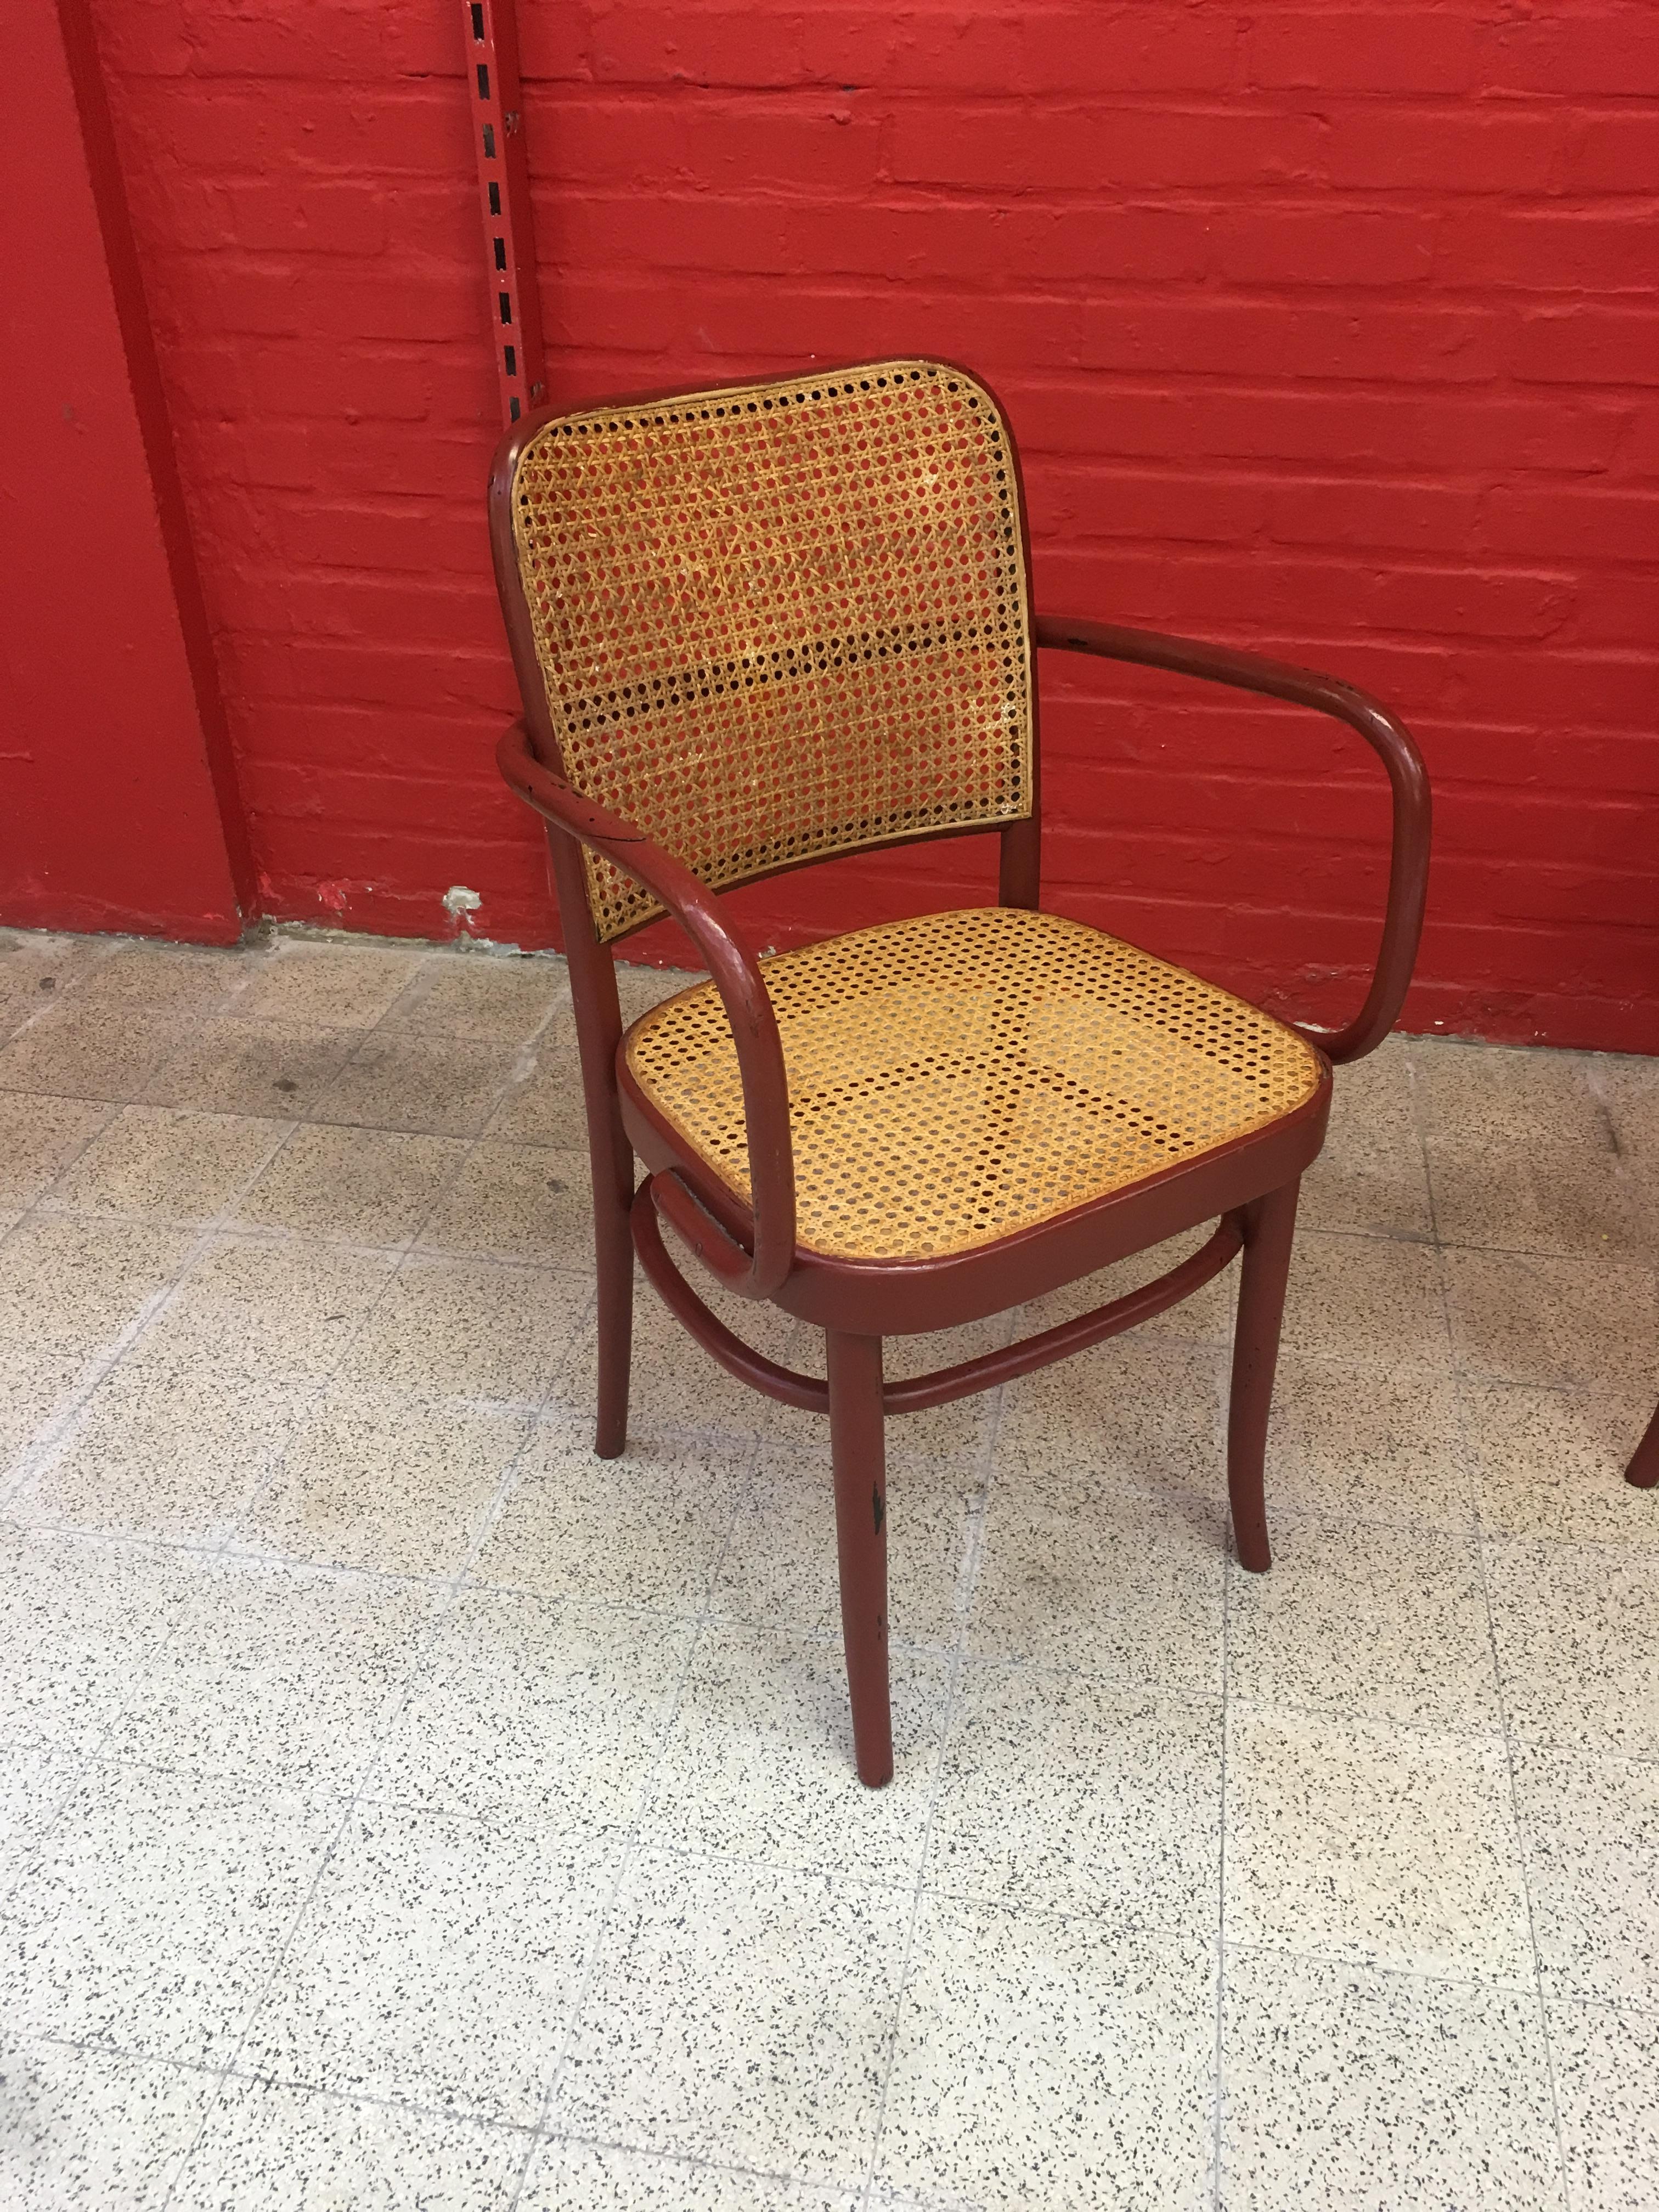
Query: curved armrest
[737,977]
[1409,860]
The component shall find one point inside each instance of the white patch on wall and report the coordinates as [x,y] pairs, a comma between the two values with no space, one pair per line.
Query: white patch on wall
[461,903]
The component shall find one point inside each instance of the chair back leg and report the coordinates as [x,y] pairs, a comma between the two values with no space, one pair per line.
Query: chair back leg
[857,1448]
[1269,1226]
[1644,1469]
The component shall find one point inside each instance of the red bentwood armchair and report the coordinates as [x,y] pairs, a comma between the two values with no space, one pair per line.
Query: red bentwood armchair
[763,625]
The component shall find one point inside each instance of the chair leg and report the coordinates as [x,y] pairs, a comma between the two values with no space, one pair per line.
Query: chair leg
[858,1449]
[1644,1469]
[1269,1226]
[613,1245]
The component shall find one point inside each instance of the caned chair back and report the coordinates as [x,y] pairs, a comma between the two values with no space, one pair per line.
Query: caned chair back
[782,621]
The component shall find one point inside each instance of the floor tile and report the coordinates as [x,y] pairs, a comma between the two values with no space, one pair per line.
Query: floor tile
[354,1186]
[168,1456]
[1386,1624]
[435,1965]
[1132,1413]
[278,1070]
[1523,1157]
[80,1625]
[1042,2060]
[399,1079]
[1557,1322]
[91,2131]
[738,2014]
[38,965]
[543,1103]
[94,1947]
[1207,1317]
[523,1201]
[1371,1302]
[73,1286]
[186,979]
[36,1391]
[1590,1831]
[1077,1796]
[645,1529]
[758,1764]
[1354,1441]
[1576,1629]
[1606,2063]
[85,1049]
[40,1136]
[292,2150]
[342,986]
[1375,1846]
[285,1677]
[286,1311]
[35,1778]
[156,1163]
[465,1328]
[525,1708]
[781,1565]
[581,2176]
[1370,2091]
[1627,1084]
[1551,1464]
[465,994]
[385,1483]
[1125,1586]
[677,1389]
[1371,1174]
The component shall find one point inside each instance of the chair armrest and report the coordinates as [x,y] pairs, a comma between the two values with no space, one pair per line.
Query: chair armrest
[735,975]
[1408,860]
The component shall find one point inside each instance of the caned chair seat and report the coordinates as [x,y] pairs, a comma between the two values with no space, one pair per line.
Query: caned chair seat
[959,1078]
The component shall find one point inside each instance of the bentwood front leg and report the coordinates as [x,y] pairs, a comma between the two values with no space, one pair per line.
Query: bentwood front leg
[857,1448]
[1269,1226]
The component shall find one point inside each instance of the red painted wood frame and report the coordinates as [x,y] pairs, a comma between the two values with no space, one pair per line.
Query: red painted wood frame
[1249,1186]
[496,102]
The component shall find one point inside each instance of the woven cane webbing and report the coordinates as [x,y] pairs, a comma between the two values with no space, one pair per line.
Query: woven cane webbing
[781,621]
[957,1078]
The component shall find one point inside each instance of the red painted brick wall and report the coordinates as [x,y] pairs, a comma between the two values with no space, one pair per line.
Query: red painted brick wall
[1330,332]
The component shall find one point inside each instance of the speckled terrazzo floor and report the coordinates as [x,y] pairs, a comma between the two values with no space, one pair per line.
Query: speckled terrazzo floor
[399,1808]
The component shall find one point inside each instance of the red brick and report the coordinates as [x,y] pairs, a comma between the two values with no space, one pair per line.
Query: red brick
[1566,523]
[1340,49]
[1294,248]
[1093,149]
[1586,345]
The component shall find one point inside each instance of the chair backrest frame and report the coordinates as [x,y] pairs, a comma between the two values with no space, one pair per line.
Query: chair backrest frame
[1020,835]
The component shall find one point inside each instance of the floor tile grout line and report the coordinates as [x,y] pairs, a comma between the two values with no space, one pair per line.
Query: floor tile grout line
[968,1583]
[1494,1985]
[273,1473]
[42,1450]
[16,1476]
[627,1858]
[325,1860]
[1523,1852]
[366,1032]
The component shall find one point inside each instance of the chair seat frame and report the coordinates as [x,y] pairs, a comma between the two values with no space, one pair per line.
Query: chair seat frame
[1248,1187]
